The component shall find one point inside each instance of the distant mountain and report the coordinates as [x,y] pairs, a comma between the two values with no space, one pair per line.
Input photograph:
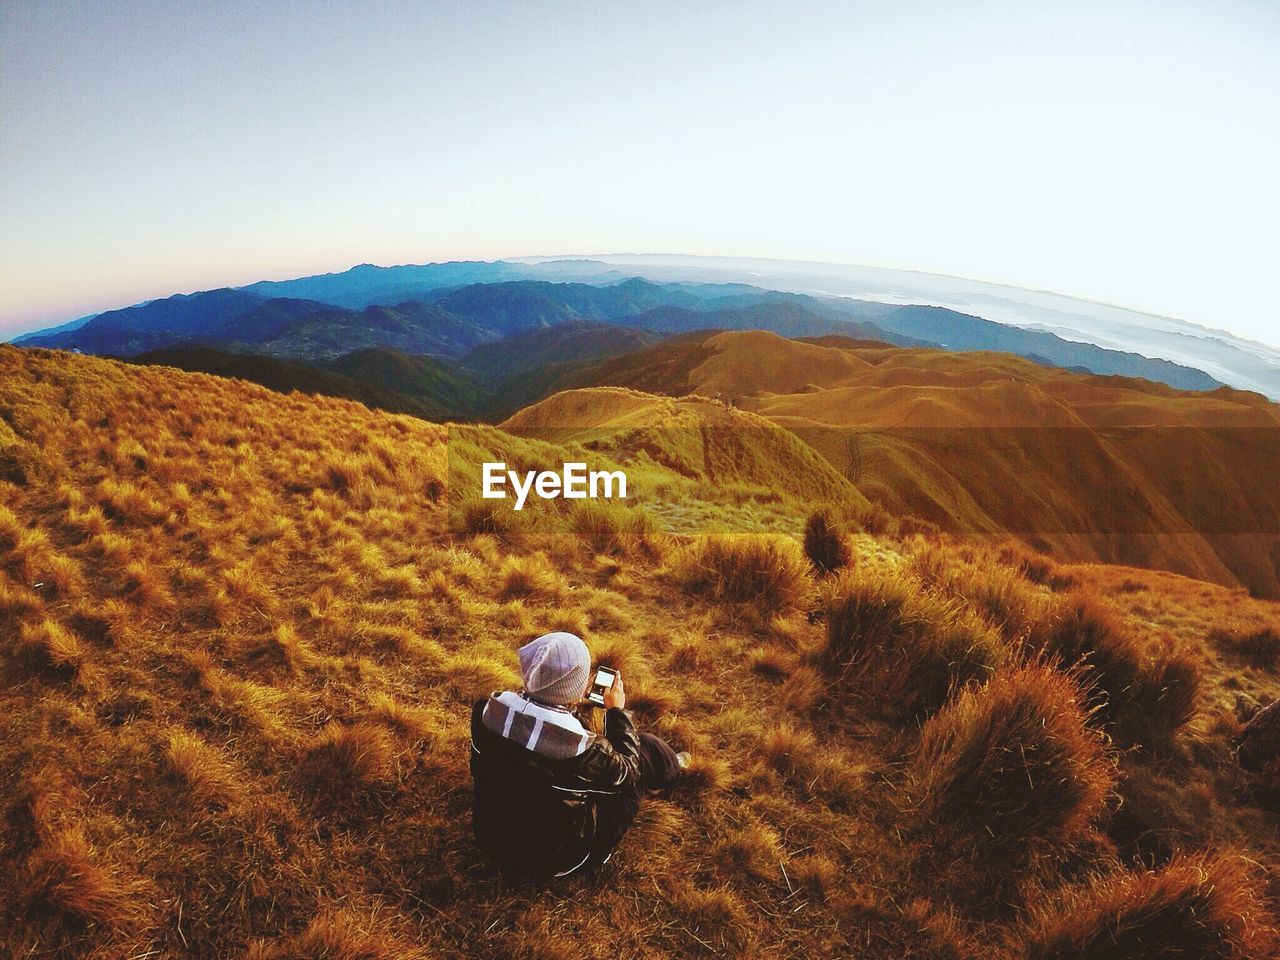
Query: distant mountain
[60,328]
[520,305]
[452,324]
[454,320]
[1244,364]
[493,383]
[329,332]
[155,324]
[572,342]
[958,331]
[785,317]
[442,384]
[366,284]
[240,322]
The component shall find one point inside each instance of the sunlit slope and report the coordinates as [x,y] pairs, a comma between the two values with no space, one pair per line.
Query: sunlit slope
[692,436]
[1105,468]
[239,636]
[752,362]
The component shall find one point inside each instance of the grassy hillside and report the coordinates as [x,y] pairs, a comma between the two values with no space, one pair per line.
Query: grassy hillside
[286,376]
[443,385]
[1093,468]
[725,452]
[241,631]
[571,343]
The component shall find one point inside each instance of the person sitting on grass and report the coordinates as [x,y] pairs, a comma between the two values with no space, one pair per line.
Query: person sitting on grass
[551,798]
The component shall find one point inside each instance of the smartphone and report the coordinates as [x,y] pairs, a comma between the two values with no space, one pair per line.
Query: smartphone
[601,685]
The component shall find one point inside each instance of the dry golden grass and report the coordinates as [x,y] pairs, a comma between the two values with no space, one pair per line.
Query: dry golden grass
[1259,648]
[201,769]
[68,880]
[614,529]
[1142,698]
[824,544]
[51,645]
[1011,767]
[1196,906]
[342,760]
[901,646]
[239,640]
[1144,692]
[337,935]
[767,573]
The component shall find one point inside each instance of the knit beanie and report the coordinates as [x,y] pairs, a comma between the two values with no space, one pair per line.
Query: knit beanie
[555,668]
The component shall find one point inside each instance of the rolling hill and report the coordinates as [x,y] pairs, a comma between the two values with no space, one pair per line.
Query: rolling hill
[444,385]
[240,632]
[286,376]
[1108,468]
[692,437]
[1090,468]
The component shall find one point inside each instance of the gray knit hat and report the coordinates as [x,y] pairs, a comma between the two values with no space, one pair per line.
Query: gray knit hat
[555,668]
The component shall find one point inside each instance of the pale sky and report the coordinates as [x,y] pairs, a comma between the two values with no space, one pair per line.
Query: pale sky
[1119,151]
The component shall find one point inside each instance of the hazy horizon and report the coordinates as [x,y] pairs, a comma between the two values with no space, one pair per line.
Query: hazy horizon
[1120,154]
[608,257]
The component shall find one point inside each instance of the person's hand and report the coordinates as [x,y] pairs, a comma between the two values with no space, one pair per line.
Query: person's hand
[616,696]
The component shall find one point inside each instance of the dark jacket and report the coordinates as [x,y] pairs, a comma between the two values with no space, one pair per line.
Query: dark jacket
[539,818]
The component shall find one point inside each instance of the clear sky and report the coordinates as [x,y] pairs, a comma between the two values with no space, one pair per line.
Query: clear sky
[1121,151]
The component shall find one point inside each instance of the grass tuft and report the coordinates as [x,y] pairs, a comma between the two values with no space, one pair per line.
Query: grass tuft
[752,849]
[901,646]
[1140,699]
[1201,906]
[476,517]
[200,768]
[529,576]
[1258,648]
[346,760]
[766,572]
[52,647]
[338,935]
[705,776]
[614,529]
[66,876]
[824,545]
[1012,765]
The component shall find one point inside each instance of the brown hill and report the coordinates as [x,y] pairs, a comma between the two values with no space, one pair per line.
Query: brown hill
[1105,468]
[758,361]
[693,437]
[238,642]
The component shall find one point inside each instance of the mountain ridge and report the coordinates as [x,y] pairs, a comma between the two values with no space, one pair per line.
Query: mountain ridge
[457,319]
[1226,358]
